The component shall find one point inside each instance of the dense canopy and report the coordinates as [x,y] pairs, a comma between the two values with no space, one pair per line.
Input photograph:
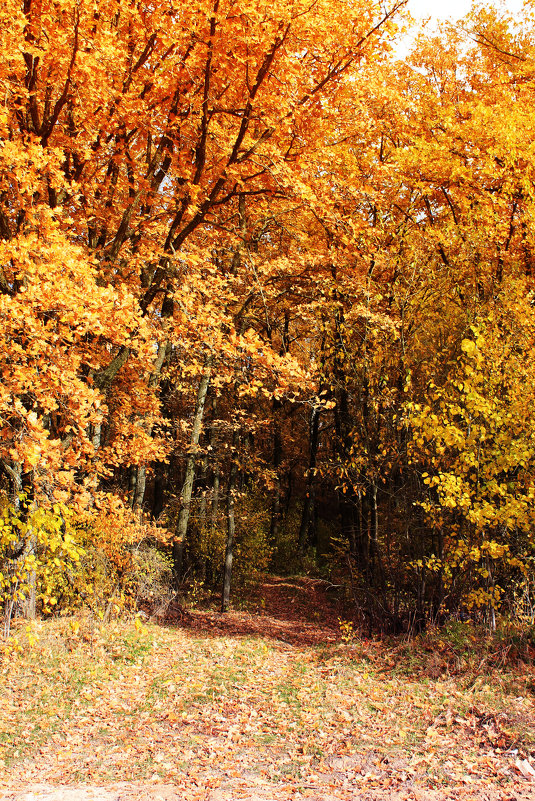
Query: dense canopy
[266,296]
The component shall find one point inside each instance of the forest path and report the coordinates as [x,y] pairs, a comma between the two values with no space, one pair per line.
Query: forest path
[261,704]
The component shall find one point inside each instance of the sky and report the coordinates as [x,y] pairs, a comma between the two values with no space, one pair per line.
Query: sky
[442,9]
[436,10]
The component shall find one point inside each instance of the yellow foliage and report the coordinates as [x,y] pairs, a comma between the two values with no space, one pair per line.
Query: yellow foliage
[481,445]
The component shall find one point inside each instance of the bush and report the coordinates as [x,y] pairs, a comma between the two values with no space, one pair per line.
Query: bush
[103,559]
[37,545]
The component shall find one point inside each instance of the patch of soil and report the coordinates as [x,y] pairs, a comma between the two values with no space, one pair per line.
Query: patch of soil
[238,790]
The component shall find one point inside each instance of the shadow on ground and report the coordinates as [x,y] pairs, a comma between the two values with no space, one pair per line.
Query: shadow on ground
[298,611]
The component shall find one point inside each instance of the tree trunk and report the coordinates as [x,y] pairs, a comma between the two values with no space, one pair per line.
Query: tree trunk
[307,516]
[138,478]
[276,512]
[216,474]
[187,487]
[141,481]
[231,530]
[29,604]
[277,458]
[96,436]
[208,468]
[22,500]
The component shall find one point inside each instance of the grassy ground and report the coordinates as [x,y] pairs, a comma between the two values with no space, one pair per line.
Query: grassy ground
[291,702]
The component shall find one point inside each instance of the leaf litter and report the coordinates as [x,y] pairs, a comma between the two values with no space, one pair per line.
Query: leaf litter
[266,704]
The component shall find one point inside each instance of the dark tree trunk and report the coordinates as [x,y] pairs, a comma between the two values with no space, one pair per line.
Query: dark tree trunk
[231,530]
[187,487]
[306,532]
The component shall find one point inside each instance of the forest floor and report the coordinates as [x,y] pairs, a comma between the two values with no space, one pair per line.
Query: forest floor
[279,701]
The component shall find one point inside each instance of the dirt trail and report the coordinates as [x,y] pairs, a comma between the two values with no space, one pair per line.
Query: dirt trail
[135,792]
[264,704]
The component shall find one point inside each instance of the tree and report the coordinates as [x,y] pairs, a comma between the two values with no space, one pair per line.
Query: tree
[476,439]
[129,138]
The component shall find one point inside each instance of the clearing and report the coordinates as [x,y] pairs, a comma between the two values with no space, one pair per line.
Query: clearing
[276,702]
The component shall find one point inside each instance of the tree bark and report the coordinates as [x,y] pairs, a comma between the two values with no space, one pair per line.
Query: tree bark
[231,530]
[138,479]
[277,459]
[141,481]
[307,516]
[187,487]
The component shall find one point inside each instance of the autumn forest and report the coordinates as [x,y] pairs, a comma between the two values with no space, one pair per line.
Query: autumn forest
[267,304]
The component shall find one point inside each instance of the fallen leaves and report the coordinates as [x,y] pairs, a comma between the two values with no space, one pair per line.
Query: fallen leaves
[212,712]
